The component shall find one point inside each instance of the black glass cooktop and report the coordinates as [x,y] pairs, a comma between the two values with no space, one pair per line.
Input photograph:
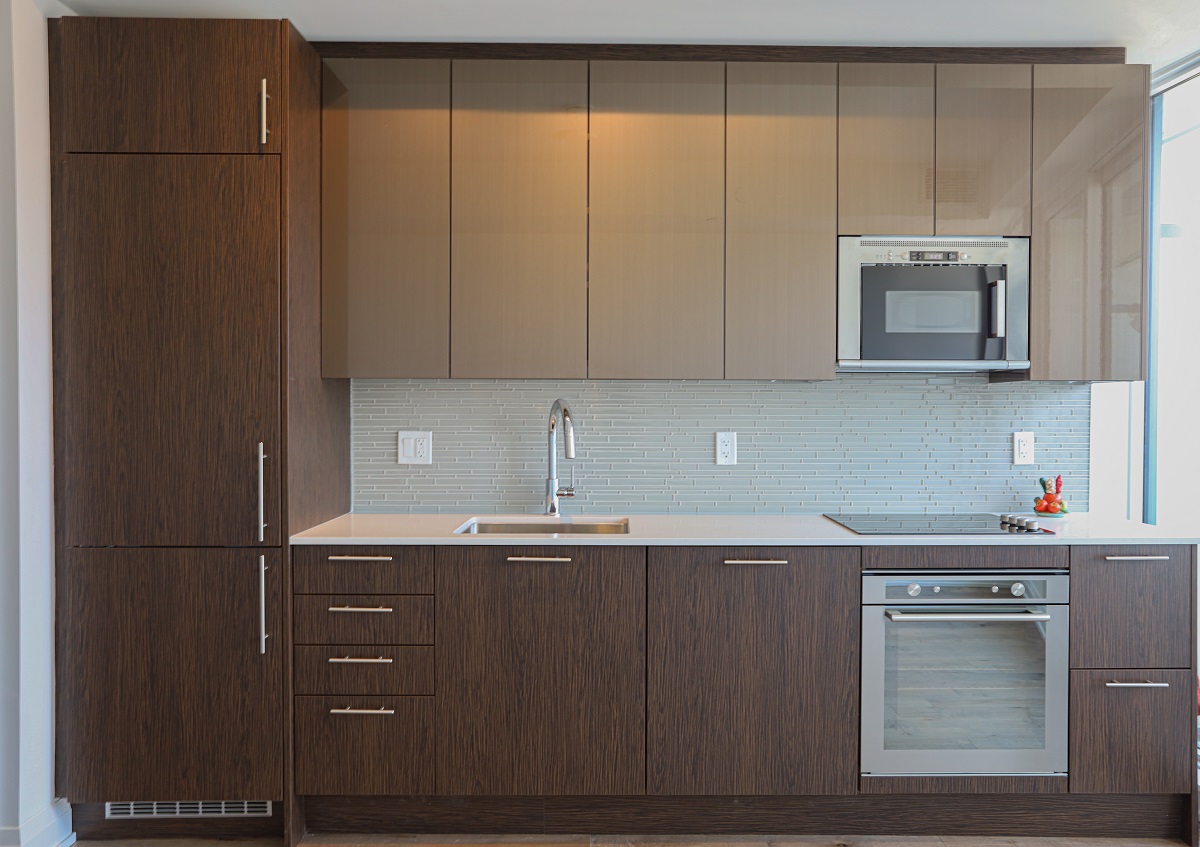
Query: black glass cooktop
[956,524]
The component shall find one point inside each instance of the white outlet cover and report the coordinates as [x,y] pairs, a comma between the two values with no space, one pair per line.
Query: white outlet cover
[414,448]
[1023,447]
[726,448]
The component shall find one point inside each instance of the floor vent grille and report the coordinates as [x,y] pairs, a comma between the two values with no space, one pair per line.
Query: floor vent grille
[189,809]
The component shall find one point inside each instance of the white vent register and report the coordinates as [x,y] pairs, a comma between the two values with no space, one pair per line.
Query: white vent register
[137,809]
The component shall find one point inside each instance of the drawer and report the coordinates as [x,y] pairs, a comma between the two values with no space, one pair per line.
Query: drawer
[364,670]
[362,570]
[364,619]
[364,745]
[1057,557]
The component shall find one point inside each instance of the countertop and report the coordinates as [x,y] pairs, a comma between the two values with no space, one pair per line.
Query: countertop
[722,530]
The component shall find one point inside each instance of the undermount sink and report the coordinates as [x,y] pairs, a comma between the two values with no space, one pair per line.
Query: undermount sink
[544,526]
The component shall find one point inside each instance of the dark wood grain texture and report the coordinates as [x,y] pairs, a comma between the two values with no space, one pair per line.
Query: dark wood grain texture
[364,754]
[166,340]
[752,672]
[541,670]
[410,620]
[963,784]
[954,558]
[410,671]
[317,472]
[141,85]
[89,823]
[414,815]
[1132,740]
[1130,614]
[162,691]
[363,569]
[716,52]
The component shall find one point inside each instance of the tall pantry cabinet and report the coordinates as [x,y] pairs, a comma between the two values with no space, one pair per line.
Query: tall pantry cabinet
[193,432]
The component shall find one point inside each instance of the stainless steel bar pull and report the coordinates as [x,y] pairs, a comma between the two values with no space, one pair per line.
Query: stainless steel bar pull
[1146,684]
[1137,558]
[756,561]
[348,711]
[538,559]
[262,501]
[375,609]
[359,558]
[354,660]
[262,118]
[964,617]
[999,304]
[262,605]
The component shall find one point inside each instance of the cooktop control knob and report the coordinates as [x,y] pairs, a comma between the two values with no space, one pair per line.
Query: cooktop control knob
[913,589]
[1018,590]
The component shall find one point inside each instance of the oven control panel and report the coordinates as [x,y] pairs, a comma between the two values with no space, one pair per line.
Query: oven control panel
[932,587]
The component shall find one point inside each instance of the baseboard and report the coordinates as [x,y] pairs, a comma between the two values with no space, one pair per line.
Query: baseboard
[50,827]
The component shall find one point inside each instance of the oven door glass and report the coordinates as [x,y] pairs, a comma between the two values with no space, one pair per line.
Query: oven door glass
[964,689]
[932,312]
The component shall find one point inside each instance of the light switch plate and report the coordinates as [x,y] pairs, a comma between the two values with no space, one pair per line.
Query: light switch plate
[414,448]
[1022,448]
[726,448]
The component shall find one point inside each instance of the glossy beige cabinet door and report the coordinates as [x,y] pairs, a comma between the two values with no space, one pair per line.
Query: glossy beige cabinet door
[984,130]
[385,216]
[657,228]
[885,149]
[518,220]
[781,225]
[1088,264]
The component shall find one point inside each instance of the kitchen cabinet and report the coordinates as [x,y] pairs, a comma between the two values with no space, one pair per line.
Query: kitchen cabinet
[518,226]
[169,676]
[752,677]
[385,218]
[541,663]
[657,221]
[781,224]
[1088,256]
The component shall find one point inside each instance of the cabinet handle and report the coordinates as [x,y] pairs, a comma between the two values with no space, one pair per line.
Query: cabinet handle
[262,605]
[262,118]
[377,609]
[999,317]
[349,660]
[756,561]
[1146,684]
[538,559]
[348,711]
[360,558]
[262,502]
[1137,558]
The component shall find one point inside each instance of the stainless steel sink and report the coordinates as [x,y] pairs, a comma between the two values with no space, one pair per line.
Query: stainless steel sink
[544,526]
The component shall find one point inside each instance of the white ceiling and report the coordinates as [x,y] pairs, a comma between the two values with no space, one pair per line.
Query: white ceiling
[1154,31]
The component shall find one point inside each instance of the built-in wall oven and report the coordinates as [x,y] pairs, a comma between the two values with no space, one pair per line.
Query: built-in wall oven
[964,672]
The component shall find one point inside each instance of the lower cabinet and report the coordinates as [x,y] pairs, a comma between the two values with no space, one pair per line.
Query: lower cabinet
[541,661]
[753,670]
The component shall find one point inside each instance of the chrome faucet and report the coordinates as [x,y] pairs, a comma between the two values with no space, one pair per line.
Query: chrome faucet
[553,492]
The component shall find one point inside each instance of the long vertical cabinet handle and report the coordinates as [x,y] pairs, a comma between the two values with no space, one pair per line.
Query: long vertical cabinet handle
[262,118]
[262,502]
[262,605]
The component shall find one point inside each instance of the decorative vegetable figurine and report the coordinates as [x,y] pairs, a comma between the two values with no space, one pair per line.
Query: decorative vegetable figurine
[1051,502]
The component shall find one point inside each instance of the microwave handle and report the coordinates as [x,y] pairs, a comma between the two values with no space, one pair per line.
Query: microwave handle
[999,293]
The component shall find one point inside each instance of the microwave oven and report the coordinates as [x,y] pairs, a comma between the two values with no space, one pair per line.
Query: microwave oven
[914,304]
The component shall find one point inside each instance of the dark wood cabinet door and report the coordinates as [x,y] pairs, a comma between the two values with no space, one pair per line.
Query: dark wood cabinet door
[1130,739]
[541,659]
[140,85]
[164,689]
[167,350]
[753,671]
[1130,606]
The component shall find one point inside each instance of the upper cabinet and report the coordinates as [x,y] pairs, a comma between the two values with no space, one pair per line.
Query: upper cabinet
[781,224]
[385,216]
[216,85]
[518,225]
[657,226]
[1087,264]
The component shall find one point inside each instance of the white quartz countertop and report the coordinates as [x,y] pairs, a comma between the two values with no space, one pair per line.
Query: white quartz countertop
[721,530]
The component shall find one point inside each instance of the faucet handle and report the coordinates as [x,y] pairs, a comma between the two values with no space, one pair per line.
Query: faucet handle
[568,491]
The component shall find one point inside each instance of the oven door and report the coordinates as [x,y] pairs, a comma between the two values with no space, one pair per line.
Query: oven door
[964,689]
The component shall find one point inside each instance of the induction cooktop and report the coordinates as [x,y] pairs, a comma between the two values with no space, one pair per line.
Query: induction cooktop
[910,524]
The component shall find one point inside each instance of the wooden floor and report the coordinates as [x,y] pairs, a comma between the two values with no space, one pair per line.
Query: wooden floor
[664,841]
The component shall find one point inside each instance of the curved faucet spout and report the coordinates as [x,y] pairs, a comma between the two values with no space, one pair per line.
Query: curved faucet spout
[553,492]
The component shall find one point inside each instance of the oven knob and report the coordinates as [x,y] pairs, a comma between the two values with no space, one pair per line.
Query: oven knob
[913,589]
[904,256]
[1018,590]
[937,589]
[995,589]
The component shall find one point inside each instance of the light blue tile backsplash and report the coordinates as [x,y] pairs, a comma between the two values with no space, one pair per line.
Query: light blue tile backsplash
[916,443]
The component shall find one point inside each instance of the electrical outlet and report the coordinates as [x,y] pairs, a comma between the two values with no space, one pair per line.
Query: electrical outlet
[1022,448]
[414,448]
[726,448]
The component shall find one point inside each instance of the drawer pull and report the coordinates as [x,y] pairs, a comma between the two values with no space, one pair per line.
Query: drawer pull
[1146,684]
[360,558]
[375,609]
[538,559]
[349,711]
[756,561]
[1137,558]
[353,660]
